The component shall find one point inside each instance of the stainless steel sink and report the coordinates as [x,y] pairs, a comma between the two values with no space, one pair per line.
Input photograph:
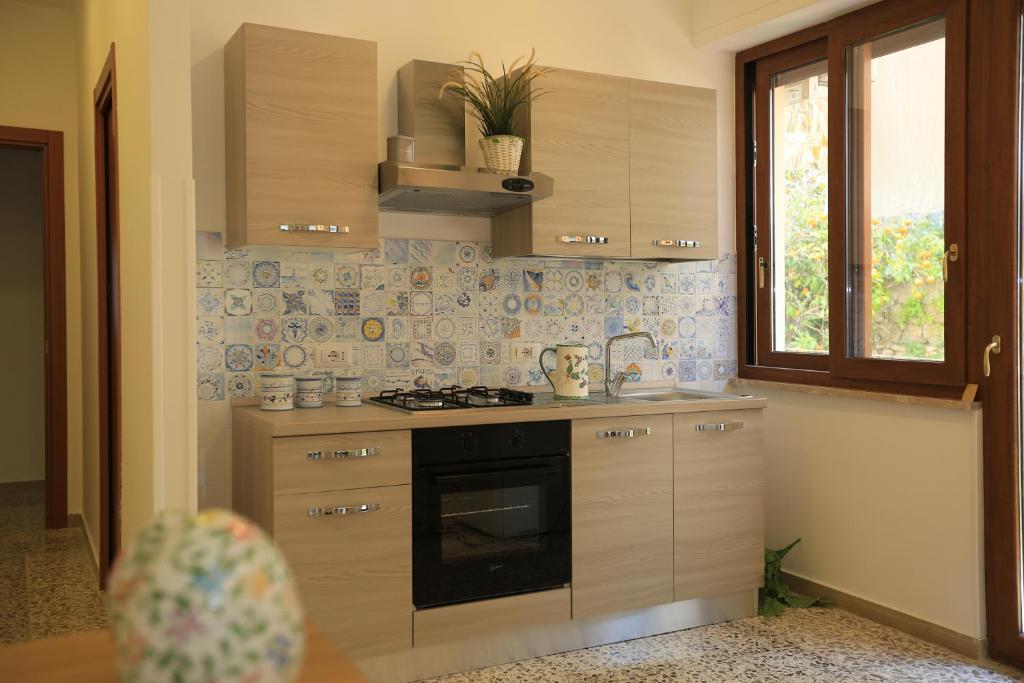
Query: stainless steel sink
[659,395]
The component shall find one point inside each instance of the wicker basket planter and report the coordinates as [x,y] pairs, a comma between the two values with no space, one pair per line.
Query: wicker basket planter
[502,153]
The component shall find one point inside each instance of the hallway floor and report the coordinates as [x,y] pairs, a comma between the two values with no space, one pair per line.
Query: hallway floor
[48,585]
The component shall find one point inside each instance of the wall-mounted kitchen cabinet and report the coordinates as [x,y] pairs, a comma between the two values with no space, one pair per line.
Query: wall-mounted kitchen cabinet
[578,135]
[300,139]
[635,171]
[673,190]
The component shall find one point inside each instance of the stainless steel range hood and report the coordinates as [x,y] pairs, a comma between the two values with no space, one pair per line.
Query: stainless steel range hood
[442,179]
[445,189]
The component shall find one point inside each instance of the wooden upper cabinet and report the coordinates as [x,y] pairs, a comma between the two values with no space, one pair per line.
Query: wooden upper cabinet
[621,514]
[301,138]
[579,135]
[672,171]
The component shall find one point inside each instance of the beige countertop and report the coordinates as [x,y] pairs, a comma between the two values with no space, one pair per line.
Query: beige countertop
[371,417]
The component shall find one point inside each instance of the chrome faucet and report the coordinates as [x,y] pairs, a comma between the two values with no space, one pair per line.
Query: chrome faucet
[612,385]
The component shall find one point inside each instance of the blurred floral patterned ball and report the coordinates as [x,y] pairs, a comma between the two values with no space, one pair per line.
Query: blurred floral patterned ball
[205,598]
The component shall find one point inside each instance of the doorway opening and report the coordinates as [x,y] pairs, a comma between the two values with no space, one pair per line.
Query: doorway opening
[33,163]
[108,268]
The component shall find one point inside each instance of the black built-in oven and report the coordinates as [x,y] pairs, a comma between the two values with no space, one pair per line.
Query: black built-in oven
[491,511]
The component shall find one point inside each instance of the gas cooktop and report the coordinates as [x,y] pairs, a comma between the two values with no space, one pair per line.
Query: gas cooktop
[453,398]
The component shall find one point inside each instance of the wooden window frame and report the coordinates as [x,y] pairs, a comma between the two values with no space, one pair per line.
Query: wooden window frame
[764,70]
[838,368]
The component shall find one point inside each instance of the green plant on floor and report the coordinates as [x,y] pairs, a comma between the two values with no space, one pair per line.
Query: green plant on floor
[776,596]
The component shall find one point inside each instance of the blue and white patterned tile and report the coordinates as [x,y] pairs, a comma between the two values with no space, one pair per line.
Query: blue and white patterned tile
[237,302]
[209,274]
[437,300]
[210,329]
[210,386]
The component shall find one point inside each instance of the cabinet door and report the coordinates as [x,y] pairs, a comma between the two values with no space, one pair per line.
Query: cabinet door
[719,502]
[621,514]
[355,570]
[579,135]
[301,138]
[673,177]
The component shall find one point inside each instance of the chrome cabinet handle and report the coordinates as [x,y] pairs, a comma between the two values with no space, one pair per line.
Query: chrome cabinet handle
[995,346]
[951,255]
[762,265]
[625,433]
[689,244]
[343,510]
[356,453]
[313,227]
[583,239]
[719,426]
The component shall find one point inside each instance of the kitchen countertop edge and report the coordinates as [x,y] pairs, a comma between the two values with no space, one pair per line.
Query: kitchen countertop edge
[376,418]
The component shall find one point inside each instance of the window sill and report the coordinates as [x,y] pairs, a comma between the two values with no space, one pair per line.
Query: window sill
[965,403]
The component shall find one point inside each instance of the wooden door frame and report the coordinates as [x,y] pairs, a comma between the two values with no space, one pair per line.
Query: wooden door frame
[993,217]
[108,318]
[51,144]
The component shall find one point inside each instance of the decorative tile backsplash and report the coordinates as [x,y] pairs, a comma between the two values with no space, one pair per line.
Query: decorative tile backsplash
[428,313]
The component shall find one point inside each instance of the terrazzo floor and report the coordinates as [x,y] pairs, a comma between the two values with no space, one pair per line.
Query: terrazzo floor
[807,646]
[47,582]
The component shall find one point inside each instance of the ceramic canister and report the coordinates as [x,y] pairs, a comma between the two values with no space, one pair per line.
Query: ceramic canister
[348,389]
[309,391]
[569,377]
[277,390]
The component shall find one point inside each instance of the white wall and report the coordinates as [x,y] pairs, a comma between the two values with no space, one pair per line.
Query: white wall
[22,401]
[887,498]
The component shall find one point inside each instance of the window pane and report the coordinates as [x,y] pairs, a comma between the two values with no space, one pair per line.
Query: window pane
[799,250]
[896,194]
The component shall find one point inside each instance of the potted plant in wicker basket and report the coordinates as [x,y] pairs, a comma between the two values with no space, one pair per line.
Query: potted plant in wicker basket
[493,101]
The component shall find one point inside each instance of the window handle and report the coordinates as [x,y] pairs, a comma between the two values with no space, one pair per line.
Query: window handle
[762,265]
[995,346]
[952,254]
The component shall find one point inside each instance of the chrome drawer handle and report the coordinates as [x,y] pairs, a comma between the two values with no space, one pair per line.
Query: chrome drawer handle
[344,510]
[582,239]
[313,227]
[689,244]
[625,433]
[719,427]
[357,453]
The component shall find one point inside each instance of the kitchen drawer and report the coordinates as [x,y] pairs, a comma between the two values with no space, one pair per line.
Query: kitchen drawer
[354,571]
[719,502]
[305,464]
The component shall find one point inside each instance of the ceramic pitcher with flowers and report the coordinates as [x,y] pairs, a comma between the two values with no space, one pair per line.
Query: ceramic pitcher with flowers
[569,376]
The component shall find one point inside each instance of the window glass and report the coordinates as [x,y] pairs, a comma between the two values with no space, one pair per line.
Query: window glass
[799,251]
[896,195]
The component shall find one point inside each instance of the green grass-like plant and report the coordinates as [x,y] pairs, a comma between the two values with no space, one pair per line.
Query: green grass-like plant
[775,596]
[494,99]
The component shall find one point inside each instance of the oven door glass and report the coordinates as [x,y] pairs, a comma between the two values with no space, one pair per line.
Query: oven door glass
[490,529]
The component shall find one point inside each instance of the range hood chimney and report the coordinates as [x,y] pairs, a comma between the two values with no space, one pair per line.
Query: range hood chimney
[443,178]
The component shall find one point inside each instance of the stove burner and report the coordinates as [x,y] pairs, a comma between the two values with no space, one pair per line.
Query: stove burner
[453,397]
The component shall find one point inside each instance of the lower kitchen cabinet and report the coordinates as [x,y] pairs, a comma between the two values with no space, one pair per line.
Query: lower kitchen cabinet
[621,514]
[719,502]
[354,570]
